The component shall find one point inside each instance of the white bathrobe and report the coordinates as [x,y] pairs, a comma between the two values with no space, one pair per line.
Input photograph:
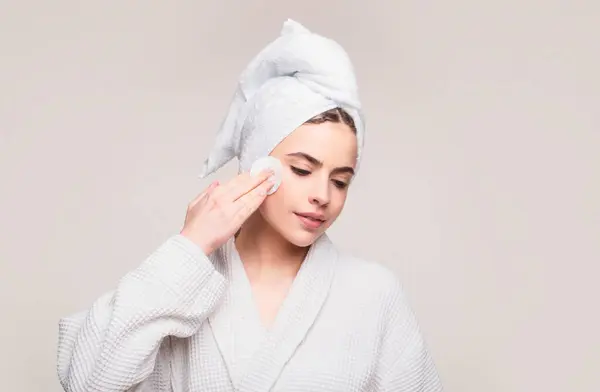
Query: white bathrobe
[182,321]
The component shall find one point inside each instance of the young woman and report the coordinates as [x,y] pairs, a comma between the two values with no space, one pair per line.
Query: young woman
[252,295]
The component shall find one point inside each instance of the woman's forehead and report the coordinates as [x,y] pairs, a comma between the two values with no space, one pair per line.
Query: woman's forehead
[333,143]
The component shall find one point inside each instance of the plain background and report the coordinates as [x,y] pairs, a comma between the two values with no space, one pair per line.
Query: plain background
[480,185]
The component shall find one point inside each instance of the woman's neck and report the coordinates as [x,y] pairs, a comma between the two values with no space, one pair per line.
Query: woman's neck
[265,253]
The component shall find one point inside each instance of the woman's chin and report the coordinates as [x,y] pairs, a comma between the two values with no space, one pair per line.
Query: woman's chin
[301,238]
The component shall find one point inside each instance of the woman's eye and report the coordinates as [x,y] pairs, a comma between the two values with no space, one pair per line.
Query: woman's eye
[340,184]
[300,172]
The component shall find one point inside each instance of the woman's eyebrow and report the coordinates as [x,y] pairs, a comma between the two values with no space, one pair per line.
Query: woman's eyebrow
[309,158]
[318,163]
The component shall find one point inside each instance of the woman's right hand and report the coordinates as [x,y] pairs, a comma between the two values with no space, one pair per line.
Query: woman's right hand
[217,213]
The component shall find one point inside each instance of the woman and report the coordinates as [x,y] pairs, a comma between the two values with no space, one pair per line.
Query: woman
[251,295]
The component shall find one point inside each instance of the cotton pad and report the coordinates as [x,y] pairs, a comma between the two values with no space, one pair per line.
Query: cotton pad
[272,163]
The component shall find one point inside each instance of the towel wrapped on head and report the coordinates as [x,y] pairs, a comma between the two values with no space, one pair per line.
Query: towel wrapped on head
[296,77]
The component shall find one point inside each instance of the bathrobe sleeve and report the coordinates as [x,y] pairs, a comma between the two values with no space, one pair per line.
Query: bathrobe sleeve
[113,346]
[405,363]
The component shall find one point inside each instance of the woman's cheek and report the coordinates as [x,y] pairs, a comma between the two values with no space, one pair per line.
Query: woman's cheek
[273,204]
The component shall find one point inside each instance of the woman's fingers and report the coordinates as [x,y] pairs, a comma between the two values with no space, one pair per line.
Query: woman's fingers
[239,186]
[248,203]
[203,194]
[249,184]
[211,223]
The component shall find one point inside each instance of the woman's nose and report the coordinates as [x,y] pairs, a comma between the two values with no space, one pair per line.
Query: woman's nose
[320,193]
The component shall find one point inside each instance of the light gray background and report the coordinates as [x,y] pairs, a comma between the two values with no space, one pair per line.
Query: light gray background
[480,185]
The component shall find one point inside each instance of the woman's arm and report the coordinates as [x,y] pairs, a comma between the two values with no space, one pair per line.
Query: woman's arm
[114,345]
[412,371]
[405,364]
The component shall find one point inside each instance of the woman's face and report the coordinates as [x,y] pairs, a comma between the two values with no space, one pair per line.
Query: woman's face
[318,163]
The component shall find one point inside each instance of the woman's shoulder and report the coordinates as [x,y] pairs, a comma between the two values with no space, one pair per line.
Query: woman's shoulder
[355,265]
[368,276]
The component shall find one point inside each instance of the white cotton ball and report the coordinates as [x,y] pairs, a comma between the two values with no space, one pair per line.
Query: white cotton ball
[272,163]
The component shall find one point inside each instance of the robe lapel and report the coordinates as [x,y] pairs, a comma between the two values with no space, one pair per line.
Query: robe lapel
[298,312]
[219,321]
[235,324]
[211,371]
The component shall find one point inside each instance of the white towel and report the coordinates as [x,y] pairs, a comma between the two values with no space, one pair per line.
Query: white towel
[297,76]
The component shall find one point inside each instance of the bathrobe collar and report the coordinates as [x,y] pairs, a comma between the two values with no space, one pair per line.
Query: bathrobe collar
[255,357]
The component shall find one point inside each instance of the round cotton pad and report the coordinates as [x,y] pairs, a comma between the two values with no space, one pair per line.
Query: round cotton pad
[272,163]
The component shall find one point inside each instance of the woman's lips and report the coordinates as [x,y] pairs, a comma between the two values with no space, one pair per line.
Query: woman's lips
[309,222]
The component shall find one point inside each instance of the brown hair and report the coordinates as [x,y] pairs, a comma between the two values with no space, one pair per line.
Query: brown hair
[335,115]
